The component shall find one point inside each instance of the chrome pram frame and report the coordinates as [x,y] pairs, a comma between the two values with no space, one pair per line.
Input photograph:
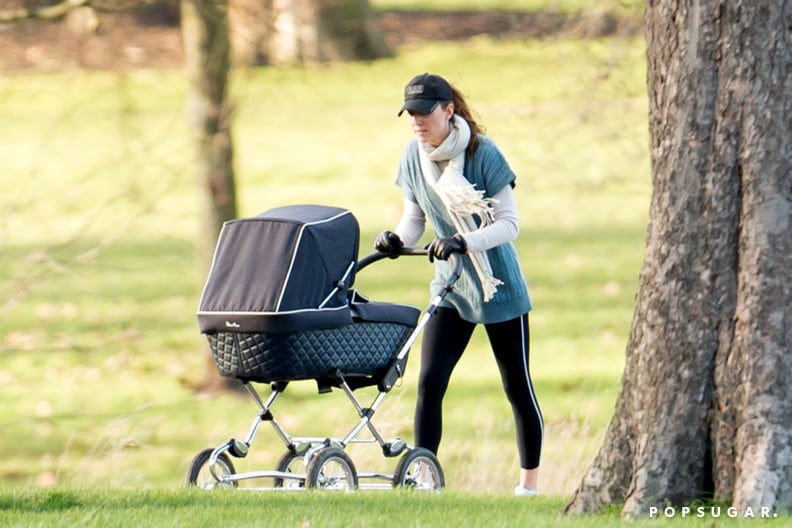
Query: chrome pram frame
[322,462]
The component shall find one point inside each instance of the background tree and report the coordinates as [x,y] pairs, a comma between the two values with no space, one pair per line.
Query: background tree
[305,31]
[706,398]
[207,52]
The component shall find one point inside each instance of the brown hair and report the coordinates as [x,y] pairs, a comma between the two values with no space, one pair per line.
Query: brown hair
[462,109]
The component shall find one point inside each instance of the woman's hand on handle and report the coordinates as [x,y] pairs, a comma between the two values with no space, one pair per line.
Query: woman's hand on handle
[389,243]
[443,248]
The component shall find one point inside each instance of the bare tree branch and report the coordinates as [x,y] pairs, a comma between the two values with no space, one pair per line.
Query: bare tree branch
[46,12]
[61,9]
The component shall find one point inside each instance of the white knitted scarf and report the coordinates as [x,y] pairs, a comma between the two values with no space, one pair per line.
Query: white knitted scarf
[462,201]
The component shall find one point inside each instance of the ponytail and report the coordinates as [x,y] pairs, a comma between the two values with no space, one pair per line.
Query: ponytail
[462,109]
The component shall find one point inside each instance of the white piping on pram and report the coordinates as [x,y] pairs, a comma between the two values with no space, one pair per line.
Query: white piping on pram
[294,253]
[341,281]
[287,312]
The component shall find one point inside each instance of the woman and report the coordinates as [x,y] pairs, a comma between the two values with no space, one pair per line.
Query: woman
[457,178]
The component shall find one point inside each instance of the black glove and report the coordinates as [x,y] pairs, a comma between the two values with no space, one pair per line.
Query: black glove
[388,242]
[442,248]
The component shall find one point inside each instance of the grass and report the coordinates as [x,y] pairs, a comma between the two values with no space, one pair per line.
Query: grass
[99,279]
[179,507]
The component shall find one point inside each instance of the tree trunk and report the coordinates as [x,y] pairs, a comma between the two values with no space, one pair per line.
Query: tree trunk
[706,398]
[346,31]
[250,22]
[208,59]
[298,32]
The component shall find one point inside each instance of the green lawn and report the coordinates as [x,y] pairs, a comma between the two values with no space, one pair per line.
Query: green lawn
[99,281]
[56,508]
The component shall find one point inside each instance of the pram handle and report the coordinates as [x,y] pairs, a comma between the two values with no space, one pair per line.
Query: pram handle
[455,258]
[378,255]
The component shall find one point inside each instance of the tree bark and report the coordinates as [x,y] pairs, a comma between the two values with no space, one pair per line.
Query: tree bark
[208,61]
[706,398]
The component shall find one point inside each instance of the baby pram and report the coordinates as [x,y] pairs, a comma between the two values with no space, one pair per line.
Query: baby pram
[278,306]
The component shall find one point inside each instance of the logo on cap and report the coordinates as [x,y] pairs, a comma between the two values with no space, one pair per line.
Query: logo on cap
[416,89]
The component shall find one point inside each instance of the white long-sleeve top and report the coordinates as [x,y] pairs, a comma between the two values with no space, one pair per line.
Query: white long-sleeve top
[505,228]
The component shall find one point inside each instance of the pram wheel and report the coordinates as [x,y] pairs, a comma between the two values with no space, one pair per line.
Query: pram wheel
[290,463]
[331,468]
[419,469]
[199,474]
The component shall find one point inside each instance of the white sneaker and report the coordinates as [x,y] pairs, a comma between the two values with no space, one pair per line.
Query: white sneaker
[522,491]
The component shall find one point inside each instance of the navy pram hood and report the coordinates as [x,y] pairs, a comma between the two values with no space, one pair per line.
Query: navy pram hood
[287,269]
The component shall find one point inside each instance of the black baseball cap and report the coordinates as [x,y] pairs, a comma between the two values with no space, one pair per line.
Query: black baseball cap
[424,92]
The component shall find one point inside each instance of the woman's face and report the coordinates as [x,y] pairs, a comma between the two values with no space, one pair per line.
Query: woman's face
[432,128]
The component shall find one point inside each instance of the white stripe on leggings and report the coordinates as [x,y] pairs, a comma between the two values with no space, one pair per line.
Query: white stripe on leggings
[527,375]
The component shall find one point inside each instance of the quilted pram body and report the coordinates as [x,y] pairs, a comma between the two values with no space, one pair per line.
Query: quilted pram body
[279,306]
[363,348]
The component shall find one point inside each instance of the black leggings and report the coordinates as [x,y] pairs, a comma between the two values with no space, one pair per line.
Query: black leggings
[445,338]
